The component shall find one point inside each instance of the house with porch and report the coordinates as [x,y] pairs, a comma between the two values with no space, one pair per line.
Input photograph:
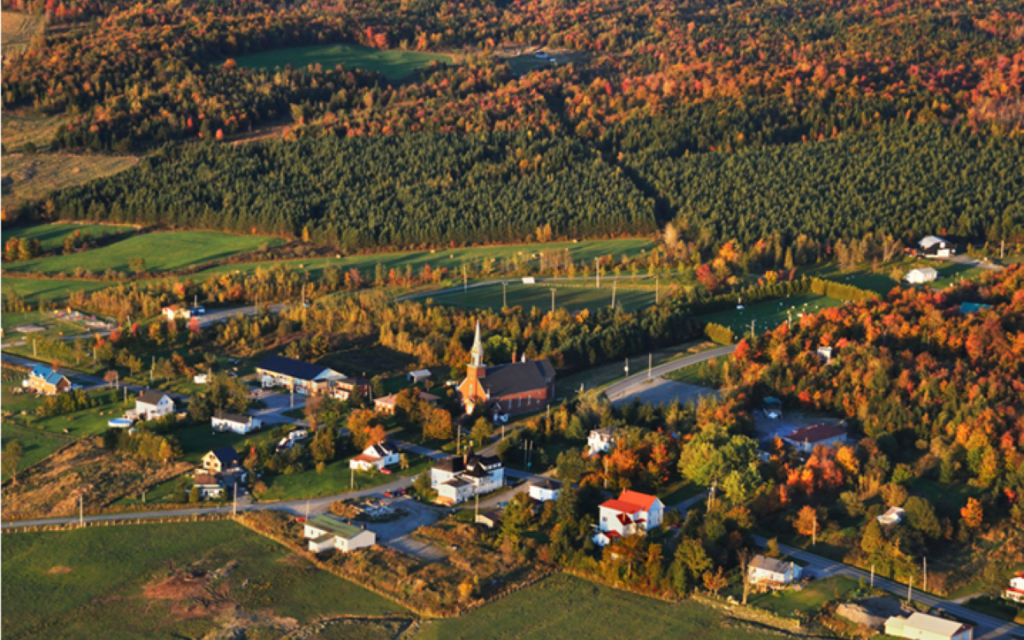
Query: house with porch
[296,375]
[772,573]
[221,460]
[223,421]
[327,532]
[376,456]
[459,478]
[632,513]
[44,380]
[1015,591]
[209,485]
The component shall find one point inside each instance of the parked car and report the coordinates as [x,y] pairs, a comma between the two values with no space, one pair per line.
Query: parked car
[386,471]
[389,494]
[400,492]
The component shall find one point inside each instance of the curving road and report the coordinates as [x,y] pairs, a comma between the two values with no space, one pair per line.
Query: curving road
[634,383]
[986,626]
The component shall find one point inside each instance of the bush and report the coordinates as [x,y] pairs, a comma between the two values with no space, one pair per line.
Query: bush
[719,334]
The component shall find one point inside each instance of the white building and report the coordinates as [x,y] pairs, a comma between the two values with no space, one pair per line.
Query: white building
[937,247]
[151,405]
[326,532]
[174,312]
[418,376]
[921,626]
[544,490]
[922,275]
[771,572]
[1015,591]
[375,456]
[806,438]
[632,513]
[892,515]
[302,377]
[600,441]
[209,485]
[458,479]
[223,421]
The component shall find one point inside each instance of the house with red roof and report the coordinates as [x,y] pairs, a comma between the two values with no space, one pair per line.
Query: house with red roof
[1015,591]
[806,438]
[632,513]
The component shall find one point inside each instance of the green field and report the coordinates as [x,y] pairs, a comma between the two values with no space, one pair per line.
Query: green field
[571,296]
[36,443]
[161,251]
[51,236]
[89,583]
[769,314]
[33,290]
[336,478]
[567,608]
[807,600]
[392,64]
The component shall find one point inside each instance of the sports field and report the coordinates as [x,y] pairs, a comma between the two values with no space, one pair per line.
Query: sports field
[161,251]
[567,608]
[130,582]
[392,64]
[769,314]
[571,296]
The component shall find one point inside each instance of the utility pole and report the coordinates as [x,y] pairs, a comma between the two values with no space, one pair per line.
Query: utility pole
[814,532]
[753,332]
[352,481]
[657,289]
[553,290]
[614,285]
[910,589]
[234,502]
[81,511]
[458,439]
[627,367]
[925,586]
[94,356]
[291,396]
[1002,249]
[504,295]
[711,495]
[597,271]
[650,365]
[465,279]
[476,511]
[872,576]
[33,347]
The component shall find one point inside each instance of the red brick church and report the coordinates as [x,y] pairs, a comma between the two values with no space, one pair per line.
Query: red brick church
[503,389]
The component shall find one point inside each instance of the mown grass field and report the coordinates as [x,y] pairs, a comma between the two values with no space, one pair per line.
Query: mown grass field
[394,64]
[35,175]
[32,290]
[807,600]
[91,583]
[769,314]
[17,32]
[571,296]
[567,608]
[51,236]
[161,251]
[336,478]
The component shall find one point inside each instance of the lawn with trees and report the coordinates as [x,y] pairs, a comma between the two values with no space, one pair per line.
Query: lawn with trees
[393,65]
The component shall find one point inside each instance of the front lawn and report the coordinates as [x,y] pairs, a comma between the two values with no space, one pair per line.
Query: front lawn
[336,478]
[807,600]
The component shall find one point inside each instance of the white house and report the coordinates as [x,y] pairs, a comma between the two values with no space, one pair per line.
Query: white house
[459,478]
[892,515]
[922,275]
[632,513]
[806,438]
[418,376]
[151,405]
[544,490]
[303,377]
[209,485]
[326,532]
[600,441]
[771,572]
[1015,591]
[375,456]
[937,247]
[223,421]
[922,626]
[174,312]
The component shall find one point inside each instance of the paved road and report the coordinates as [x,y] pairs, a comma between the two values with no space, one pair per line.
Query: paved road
[986,627]
[635,384]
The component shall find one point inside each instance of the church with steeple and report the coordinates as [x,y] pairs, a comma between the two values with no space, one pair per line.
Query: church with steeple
[505,389]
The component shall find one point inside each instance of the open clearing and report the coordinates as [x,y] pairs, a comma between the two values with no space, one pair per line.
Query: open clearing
[162,252]
[21,129]
[770,314]
[564,607]
[571,296]
[164,580]
[17,31]
[394,64]
[51,236]
[35,175]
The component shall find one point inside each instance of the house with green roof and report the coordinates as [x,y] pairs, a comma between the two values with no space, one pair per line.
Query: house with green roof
[328,532]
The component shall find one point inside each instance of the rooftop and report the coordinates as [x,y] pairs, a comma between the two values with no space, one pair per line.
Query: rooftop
[774,565]
[292,368]
[334,526]
[934,624]
[816,433]
[517,377]
[151,396]
[231,417]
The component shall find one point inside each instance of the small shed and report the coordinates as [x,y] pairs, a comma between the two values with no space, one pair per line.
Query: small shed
[418,376]
[922,275]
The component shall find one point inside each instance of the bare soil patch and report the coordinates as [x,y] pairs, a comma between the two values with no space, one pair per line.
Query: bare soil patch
[32,176]
[59,569]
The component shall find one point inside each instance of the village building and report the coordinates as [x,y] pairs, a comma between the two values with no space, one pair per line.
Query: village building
[600,441]
[327,532]
[921,626]
[892,515]
[387,403]
[632,513]
[302,377]
[490,519]
[923,275]
[806,438]
[418,375]
[1015,591]
[936,247]
[376,456]
[150,405]
[347,388]
[457,479]
[223,421]
[221,460]
[544,490]
[46,381]
[506,389]
[772,573]
[174,312]
[209,485]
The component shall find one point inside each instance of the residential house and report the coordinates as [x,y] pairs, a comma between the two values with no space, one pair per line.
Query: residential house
[544,490]
[46,381]
[600,441]
[892,515]
[922,275]
[1015,591]
[223,421]
[174,312]
[922,626]
[825,353]
[209,485]
[150,405]
[632,513]
[221,460]
[302,377]
[806,438]
[418,376]
[348,387]
[936,247]
[491,519]
[459,478]
[772,573]
[387,403]
[327,532]
[376,456]
[505,389]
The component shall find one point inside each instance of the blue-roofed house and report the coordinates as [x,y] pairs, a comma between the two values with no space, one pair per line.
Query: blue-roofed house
[43,379]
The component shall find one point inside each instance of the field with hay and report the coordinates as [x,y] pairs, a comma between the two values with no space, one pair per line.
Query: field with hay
[32,176]
[393,64]
[17,32]
[175,580]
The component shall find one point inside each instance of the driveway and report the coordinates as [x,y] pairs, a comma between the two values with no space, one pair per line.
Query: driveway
[661,391]
[651,381]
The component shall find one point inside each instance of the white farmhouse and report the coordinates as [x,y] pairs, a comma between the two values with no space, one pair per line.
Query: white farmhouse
[326,532]
[375,456]
[600,441]
[632,513]
[1015,591]
[223,421]
[922,275]
[771,572]
[544,490]
[151,405]
[458,479]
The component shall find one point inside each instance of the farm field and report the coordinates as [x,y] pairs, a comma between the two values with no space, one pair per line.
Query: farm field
[35,175]
[127,582]
[571,296]
[162,252]
[17,32]
[394,64]
[32,290]
[51,236]
[771,313]
[566,608]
